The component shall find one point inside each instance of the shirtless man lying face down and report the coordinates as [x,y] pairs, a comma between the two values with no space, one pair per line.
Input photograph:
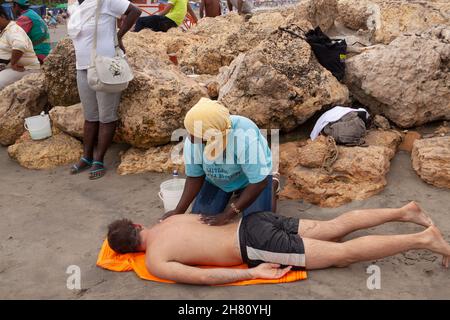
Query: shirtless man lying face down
[269,243]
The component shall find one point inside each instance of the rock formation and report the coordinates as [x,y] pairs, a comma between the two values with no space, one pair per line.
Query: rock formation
[59,149]
[60,75]
[407,81]
[156,159]
[69,119]
[22,99]
[357,173]
[431,160]
[279,84]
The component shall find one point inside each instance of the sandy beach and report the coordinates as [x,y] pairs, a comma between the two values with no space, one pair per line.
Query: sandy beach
[52,220]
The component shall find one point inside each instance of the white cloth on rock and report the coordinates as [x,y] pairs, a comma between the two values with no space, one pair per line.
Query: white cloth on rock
[331,116]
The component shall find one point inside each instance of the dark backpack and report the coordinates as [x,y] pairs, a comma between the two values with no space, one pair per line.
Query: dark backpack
[350,130]
[330,53]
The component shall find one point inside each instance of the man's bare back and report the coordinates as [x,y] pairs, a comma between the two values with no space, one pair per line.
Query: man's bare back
[184,238]
[211,8]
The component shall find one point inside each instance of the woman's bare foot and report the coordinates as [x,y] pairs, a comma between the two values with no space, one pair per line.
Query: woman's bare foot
[435,242]
[415,214]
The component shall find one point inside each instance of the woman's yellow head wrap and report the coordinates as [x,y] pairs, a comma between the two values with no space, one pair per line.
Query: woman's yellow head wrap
[209,120]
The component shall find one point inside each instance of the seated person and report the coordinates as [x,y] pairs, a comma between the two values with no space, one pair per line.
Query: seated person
[171,17]
[17,58]
[34,26]
[269,243]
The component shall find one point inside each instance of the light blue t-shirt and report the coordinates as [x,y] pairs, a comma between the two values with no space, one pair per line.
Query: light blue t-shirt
[247,158]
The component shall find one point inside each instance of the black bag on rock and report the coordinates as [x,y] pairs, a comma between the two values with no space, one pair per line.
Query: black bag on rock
[330,53]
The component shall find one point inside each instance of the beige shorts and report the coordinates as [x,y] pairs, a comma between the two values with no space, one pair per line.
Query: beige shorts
[97,106]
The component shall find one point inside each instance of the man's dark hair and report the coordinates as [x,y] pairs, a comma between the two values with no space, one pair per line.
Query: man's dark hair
[3,13]
[123,236]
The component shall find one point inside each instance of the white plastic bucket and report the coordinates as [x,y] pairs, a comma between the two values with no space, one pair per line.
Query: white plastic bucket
[170,193]
[38,126]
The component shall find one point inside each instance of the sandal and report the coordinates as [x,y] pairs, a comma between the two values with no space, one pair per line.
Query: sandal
[97,173]
[77,169]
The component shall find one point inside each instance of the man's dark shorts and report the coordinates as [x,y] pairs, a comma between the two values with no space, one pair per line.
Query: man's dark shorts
[269,237]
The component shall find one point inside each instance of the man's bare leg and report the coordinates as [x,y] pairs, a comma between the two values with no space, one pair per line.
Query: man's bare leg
[335,229]
[323,254]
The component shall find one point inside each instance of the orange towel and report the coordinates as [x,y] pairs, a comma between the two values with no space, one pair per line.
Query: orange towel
[108,259]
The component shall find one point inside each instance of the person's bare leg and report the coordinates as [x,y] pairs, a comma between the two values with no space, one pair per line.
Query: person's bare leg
[90,133]
[323,254]
[105,137]
[335,229]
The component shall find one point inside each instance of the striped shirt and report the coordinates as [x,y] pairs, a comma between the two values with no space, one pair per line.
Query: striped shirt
[14,37]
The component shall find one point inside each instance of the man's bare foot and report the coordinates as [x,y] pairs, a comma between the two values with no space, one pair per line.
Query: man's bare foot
[435,242]
[415,214]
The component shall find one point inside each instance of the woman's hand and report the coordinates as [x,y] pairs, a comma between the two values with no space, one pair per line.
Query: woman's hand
[269,271]
[169,214]
[217,220]
[18,68]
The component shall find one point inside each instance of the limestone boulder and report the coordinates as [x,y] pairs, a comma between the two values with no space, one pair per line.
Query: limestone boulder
[388,19]
[279,84]
[156,100]
[407,81]
[224,38]
[355,14]
[357,173]
[69,119]
[393,18]
[155,159]
[22,99]
[59,149]
[431,160]
[60,75]
[315,13]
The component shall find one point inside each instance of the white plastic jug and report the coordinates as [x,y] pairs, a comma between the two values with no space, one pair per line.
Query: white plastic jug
[39,126]
[170,193]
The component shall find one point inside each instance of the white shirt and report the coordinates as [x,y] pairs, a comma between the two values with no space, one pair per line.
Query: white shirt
[331,116]
[82,27]
[246,6]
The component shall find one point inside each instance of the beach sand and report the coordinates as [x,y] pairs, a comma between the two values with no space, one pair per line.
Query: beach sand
[51,220]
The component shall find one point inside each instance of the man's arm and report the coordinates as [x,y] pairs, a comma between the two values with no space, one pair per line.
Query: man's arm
[181,273]
[130,17]
[202,9]
[191,12]
[165,10]
[15,57]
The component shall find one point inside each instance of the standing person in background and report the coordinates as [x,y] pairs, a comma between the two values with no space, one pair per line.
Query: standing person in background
[242,6]
[171,17]
[100,108]
[210,8]
[34,26]
[17,58]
